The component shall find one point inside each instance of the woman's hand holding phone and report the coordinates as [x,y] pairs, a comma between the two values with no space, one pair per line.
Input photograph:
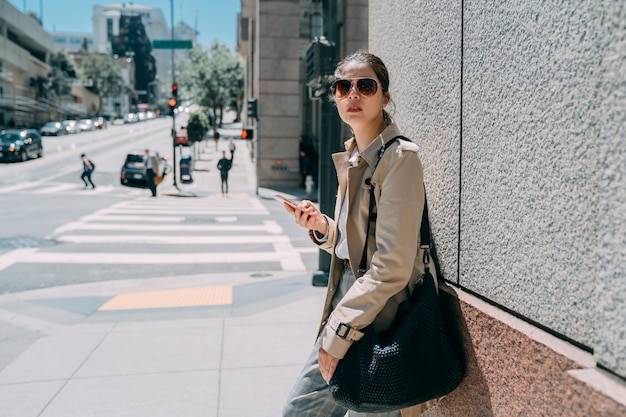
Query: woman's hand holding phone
[289,204]
[305,213]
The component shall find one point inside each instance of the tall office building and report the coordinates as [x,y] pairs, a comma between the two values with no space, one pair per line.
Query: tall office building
[127,30]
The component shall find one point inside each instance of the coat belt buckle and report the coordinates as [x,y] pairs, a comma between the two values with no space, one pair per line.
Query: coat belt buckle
[342,330]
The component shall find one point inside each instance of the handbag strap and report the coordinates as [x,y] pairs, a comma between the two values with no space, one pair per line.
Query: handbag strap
[424,228]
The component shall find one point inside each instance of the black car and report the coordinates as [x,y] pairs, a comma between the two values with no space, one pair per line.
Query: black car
[20,144]
[133,171]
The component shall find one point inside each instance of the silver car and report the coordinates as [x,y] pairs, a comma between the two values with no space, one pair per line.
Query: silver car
[53,129]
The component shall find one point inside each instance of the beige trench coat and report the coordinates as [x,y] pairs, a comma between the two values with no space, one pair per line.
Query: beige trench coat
[394,258]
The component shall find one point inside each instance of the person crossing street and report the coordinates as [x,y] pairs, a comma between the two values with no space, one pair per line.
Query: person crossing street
[151,169]
[88,168]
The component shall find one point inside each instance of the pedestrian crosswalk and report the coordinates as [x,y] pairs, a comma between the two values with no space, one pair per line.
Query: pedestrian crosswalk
[65,188]
[209,232]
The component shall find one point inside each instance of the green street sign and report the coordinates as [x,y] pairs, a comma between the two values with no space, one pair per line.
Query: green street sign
[172,44]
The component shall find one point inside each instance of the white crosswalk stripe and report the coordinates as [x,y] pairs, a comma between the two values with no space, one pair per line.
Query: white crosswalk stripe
[200,223]
[67,188]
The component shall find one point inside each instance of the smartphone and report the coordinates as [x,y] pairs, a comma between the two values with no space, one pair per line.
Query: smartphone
[284,199]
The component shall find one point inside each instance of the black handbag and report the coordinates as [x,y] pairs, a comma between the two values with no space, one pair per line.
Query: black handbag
[411,362]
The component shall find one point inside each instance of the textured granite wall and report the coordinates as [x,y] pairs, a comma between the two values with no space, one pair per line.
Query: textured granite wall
[610,320]
[519,109]
[422,50]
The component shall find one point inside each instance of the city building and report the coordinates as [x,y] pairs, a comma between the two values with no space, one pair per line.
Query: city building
[126,31]
[72,41]
[519,115]
[25,49]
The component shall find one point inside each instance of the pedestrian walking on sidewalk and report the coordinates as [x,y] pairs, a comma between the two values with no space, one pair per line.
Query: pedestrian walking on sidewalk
[232,148]
[356,299]
[88,168]
[151,169]
[216,136]
[224,165]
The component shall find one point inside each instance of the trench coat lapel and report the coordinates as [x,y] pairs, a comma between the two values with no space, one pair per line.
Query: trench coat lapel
[341,161]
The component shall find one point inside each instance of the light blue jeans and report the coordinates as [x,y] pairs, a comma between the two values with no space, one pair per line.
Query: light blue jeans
[310,396]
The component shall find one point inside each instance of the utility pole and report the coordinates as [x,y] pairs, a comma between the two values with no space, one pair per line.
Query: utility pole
[173,112]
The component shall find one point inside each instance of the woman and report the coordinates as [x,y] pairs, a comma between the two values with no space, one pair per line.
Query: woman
[394,260]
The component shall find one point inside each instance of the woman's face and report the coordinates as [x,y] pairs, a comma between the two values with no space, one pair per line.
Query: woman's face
[356,109]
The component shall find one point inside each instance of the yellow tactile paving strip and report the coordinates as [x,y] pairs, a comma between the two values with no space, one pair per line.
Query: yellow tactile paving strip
[180,297]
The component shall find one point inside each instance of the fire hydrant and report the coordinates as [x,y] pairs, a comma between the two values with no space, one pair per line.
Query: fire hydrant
[309,184]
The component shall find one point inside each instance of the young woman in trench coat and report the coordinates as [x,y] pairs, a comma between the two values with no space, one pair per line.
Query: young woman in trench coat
[394,261]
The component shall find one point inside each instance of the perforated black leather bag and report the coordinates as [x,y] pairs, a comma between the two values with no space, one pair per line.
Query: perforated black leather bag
[412,362]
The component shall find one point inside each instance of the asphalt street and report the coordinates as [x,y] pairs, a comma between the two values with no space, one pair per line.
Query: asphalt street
[218,323]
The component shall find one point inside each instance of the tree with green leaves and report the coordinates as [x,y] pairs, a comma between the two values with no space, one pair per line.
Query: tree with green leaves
[105,74]
[218,77]
[62,75]
[197,126]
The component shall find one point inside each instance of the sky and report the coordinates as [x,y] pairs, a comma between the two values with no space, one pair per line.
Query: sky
[214,19]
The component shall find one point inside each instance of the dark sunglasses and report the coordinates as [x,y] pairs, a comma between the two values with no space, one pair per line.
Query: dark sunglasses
[365,86]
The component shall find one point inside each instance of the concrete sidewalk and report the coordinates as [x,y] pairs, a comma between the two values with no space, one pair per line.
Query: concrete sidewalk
[228,360]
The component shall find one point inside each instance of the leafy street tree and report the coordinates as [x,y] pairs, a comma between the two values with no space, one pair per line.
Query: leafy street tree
[218,77]
[198,125]
[106,75]
[62,75]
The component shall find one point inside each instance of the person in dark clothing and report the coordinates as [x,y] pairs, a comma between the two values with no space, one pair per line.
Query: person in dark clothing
[88,168]
[305,168]
[151,169]
[224,165]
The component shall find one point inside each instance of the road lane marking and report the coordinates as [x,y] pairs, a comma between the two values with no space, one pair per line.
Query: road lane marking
[190,212]
[21,186]
[179,297]
[174,240]
[128,218]
[15,256]
[267,227]
[291,261]
[57,188]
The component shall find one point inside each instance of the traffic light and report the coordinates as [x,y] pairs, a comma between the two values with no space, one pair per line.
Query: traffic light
[252,108]
[172,103]
[247,134]
[175,91]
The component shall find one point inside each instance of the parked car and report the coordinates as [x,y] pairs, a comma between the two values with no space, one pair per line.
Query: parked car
[71,126]
[133,172]
[99,122]
[131,118]
[20,144]
[53,129]
[86,125]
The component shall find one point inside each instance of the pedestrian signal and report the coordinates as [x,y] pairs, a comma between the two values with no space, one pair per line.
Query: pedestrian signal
[247,134]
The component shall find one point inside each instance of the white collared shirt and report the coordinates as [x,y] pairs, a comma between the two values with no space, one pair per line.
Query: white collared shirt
[341,249]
